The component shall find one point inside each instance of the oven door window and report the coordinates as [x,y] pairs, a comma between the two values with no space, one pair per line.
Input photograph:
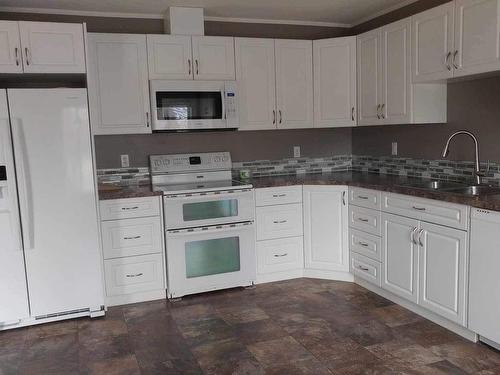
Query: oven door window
[210,210]
[212,257]
[189,105]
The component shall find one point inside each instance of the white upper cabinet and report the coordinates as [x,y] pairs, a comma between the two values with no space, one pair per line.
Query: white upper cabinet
[477,36]
[169,57]
[186,57]
[10,48]
[325,228]
[369,71]
[255,74]
[52,47]
[41,47]
[396,73]
[213,57]
[334,82]
[294,83]
[433,43]
[118,84]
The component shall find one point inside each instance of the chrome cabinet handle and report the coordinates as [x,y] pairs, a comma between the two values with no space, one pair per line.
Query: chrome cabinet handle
[130,208]
[412,235]
[343,198]
[362,197]
[26,52]
[363,220]
[420,237]
[454,59]
[364,244]
[281,117]
[448,66]
[135,275]
[352,113]
[189,66]
[274,116]
[197,67]
[16,52]
[132,238]
[279,195]
[419,208]
[363,268]
[382,111]
[280,255]
[147,119]
[378,111]
[279,221]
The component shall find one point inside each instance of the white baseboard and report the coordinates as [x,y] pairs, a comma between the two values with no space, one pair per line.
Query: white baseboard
[279,276]
[329,275]
[458,329]
[125,299]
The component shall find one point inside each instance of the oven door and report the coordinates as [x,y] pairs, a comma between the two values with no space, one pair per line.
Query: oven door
[183,105]
[212,208]
[210,258]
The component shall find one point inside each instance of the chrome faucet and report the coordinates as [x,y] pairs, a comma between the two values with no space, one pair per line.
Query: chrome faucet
[446,151]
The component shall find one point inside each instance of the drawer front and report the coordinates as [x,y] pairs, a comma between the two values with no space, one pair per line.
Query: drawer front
[279,195]
[129,237]
[366,269]
[133,275]
[365,220]
[129,208]
[279,221]
[283,254]
[444,213]
[365,244]
[365,198]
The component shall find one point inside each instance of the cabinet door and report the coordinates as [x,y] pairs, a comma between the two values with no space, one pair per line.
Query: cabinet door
[433,43]
[118,91]
[294,84]
[10,48]
[443,254]
[326,240]
[335,82]
[396,73]
[369,70]
[52,47]
[170,57]
[400,256]
[477,36]
[255,74]
[213,57]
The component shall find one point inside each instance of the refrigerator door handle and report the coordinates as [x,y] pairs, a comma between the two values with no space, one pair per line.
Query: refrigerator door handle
[24,185]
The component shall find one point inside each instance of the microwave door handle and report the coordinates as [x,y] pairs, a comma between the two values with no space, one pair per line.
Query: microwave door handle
[223,94]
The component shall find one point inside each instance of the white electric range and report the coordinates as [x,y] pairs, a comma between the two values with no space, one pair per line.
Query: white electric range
[209,223]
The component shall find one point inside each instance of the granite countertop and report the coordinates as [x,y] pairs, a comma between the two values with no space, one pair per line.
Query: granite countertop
[388,183]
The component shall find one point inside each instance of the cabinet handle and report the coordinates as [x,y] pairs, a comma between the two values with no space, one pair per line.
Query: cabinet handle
[420,237]
[279,221]
[352,113]
[147,119]
[281,117]
[412,235]
[26,52]
[364,244]
[197,67]
[189,66]
[382,111]
[274,116]
[446,62]
[363,268]
[419,208]
[279,195]
[378,111]
[280,255]
[130,208]
[135,274]
[343,198]
[16,53]
[363,220]
[362,197]
[132,238]
[454,59]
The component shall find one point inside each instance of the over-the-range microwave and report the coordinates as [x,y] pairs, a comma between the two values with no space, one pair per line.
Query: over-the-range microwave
[193,105]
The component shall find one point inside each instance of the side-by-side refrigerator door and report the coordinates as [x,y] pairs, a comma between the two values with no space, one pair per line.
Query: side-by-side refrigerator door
[13,294]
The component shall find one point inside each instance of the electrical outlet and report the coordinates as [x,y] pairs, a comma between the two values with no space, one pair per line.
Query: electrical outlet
[296,151]
[125,161]
[394,148]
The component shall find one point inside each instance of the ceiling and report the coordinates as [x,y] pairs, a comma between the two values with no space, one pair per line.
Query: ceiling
[329,12]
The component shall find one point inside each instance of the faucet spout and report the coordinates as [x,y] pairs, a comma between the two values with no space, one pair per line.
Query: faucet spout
[446,151]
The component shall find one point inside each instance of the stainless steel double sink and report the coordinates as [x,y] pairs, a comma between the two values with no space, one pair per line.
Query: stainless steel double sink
[454,187]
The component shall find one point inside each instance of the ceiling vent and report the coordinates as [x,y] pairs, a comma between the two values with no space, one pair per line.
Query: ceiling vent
[184,21]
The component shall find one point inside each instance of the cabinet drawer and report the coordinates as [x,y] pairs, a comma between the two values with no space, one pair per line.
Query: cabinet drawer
[279,195]
[365,244]
[366,269]
[365,198]
[365,219]
[128,237]
[444,213]
[279,221]
[134,274]
[283,254]
[129,208]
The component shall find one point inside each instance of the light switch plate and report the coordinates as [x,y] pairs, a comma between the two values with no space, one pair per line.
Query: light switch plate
[125,161]
[296,151]
[394,148]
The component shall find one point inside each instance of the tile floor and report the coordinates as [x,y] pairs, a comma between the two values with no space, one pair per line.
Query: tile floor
[301,326]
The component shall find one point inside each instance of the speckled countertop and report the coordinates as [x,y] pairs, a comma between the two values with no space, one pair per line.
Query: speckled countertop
[120,192]
[388,183]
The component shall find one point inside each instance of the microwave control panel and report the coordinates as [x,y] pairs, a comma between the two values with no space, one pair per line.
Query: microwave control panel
[230,104]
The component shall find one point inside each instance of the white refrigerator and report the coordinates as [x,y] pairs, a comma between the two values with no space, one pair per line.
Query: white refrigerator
[50,263]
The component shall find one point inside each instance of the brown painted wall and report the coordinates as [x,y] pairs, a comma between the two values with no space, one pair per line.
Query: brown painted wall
[244,146]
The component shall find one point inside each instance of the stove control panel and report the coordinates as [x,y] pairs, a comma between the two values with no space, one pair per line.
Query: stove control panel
[189,163]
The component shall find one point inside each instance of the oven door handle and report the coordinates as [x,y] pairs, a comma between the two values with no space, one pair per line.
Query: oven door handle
[210,195]
[209,229]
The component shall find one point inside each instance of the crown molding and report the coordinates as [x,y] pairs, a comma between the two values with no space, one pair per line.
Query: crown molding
[277,21]
[382,12]
[68,12]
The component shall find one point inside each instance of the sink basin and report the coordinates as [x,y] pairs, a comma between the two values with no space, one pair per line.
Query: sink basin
[475,190]
[434,185]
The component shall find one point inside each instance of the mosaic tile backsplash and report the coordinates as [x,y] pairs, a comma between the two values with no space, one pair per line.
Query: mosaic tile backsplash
[436,169]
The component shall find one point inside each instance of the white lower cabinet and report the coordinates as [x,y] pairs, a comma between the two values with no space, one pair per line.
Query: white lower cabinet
[282,254]
[325,228]
[366,268]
